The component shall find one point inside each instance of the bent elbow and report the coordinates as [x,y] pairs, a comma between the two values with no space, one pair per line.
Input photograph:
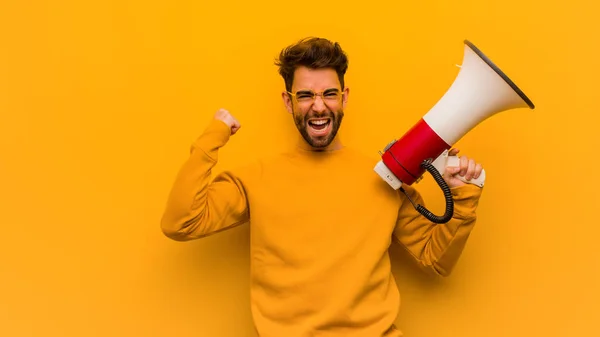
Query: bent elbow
[435,269]
[173,234]
[440,270]
[185,228]
[442,273]
[174,230]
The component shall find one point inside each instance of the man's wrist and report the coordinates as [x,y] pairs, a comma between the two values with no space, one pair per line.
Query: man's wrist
[466,200]
[214,136]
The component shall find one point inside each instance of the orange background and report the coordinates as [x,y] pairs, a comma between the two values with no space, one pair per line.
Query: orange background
[100,101]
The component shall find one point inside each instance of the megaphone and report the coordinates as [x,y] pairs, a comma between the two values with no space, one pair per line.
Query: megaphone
[479,91]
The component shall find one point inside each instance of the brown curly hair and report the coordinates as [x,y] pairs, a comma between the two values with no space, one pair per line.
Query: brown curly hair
[312,52]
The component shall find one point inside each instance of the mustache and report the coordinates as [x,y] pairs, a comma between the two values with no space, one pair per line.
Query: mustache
[321,115]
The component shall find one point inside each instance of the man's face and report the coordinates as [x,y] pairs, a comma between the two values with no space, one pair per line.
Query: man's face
[317,105]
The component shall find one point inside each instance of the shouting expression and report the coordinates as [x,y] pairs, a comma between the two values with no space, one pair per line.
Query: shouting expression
[317,103]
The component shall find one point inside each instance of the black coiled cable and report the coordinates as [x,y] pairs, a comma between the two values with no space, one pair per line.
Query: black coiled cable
[437,176]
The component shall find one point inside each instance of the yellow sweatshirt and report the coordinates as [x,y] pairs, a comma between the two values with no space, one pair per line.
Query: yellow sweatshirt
[321,224]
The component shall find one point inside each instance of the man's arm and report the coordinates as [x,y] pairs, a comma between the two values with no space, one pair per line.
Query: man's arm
[196,206]
[437,247]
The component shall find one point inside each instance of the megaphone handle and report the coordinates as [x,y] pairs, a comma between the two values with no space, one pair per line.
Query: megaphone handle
[454,161]
[444,161]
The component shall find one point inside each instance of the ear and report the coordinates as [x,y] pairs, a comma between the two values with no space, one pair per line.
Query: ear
[287,101]
[345,97]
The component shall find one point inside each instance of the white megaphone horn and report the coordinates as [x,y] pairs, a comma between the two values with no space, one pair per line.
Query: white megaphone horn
[479,91]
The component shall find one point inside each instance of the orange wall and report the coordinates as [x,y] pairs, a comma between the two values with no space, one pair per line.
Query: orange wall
[101,100]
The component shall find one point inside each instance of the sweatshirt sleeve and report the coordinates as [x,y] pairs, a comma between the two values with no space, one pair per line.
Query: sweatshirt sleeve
[197,205]
[437,247]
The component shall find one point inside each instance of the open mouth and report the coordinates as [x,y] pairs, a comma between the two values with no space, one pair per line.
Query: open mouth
[319,125]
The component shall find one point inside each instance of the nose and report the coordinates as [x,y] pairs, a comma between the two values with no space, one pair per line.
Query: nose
[319,104]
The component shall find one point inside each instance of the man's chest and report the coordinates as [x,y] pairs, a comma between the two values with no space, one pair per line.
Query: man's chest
[318,210]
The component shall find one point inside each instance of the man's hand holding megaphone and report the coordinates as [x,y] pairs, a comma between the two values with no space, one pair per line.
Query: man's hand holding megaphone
[468,169]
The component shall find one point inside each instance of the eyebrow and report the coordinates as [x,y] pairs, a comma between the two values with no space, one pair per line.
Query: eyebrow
[307,91]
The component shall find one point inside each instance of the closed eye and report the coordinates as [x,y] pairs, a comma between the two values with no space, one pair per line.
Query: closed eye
[304,95]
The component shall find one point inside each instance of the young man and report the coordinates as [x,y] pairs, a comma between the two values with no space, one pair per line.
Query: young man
[321,219]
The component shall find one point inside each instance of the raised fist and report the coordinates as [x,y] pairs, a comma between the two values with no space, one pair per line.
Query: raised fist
[224,116]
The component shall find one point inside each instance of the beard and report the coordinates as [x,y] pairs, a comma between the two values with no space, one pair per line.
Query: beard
[322,141]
